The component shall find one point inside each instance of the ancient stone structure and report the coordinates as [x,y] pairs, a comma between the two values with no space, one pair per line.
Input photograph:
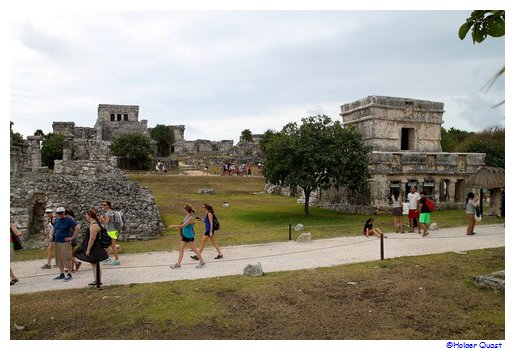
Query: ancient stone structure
[80,185]
[405,137]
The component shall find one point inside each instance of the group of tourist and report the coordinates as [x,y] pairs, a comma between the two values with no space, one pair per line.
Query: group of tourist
[187,233]
[419,213]
[243,169]
[60,236]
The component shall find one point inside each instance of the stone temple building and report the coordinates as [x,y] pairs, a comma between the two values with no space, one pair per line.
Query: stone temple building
[405,137]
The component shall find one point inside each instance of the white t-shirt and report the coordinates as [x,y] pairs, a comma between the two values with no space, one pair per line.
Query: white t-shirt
[413,198]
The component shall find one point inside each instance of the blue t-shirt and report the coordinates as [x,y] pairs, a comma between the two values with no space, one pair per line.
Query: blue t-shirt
[208,224]
[64,228]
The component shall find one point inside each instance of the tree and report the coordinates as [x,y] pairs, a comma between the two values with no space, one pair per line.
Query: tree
[246,136]
[52,149]
[491,141]
[267,137]
[134,149]
[317,155]
[452,138]
[164,137]
[39,132]
[483,23]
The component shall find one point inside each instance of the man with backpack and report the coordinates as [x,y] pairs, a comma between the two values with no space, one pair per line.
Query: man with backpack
[112,222]
[425,207]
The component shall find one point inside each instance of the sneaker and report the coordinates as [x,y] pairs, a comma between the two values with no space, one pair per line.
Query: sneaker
[93,284]
[194,257]
[67,278]
[60,277]
[173,267]
[114,263]
[219,256]
[201,265]
[106,261]
[46,266]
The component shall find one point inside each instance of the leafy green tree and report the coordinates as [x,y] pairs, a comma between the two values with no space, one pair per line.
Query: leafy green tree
[246,136]
[164,137]
[317,155]
[490,141]
[39,132]
[134,149]
[267,137]
[483,23]
[452,138]
[52,149]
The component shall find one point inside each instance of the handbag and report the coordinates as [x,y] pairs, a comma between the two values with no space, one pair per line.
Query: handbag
[477,215]
[16,241]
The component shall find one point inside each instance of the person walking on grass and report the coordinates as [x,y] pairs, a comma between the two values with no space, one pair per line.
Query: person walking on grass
[470,210]
[90,249]
[397,211]
[18,233]
[209,232]
[65,229]
[187,237]
[108,221]
[425,214]
[48,237]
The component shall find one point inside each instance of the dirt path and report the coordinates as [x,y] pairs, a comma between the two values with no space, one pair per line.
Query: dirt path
[283,256]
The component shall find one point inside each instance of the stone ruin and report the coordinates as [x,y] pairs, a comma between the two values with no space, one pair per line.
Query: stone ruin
[76,185]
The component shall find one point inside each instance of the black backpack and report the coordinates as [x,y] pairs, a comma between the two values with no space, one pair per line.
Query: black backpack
[104,238]
[216,224]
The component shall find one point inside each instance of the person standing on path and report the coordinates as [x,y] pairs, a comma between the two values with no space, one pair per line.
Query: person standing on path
[65,229]
[209,232]
[413,198]
[425,214]
[108,221]
[470,210]
[90,249]
[48,237]
[18,233]
[397,211]
[187,237]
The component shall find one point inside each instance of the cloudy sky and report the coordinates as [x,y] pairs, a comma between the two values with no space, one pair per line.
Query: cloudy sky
[219,72]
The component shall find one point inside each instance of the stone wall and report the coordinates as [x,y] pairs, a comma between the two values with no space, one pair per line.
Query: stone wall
[80,185]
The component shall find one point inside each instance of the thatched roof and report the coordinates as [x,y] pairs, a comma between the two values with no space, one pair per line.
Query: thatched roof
[487,177]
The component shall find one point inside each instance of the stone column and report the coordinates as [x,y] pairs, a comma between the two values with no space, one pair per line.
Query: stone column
[451,190]
[437,190]
[34,152]
[67,148]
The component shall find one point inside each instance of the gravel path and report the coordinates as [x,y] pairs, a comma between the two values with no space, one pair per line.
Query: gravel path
[284,256]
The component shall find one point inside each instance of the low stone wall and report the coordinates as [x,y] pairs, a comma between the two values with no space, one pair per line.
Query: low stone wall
[80,186]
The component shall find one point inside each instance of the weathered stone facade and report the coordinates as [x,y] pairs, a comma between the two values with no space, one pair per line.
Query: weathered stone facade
[80,185]
[405,137]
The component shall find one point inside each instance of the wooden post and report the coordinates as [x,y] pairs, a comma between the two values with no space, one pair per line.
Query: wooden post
[289,231]
[382,246]
[98,275]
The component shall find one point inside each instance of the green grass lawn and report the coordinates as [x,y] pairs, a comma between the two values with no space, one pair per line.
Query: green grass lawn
[420,297]
[253,217]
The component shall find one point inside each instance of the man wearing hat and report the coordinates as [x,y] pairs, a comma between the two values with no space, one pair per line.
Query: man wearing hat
[65,229]
[48,237]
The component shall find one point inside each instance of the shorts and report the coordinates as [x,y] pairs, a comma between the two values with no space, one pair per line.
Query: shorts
[397,211]
[425,218]
[113,234]
[207,233]
[186,239]
[413,214]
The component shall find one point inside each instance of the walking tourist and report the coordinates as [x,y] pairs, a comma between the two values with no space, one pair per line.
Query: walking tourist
[425,214]
[90,249]
[74,242]
[209,232]
[397,211]
[108,221]
[470,210]
[65,229]
[187,237]
[18,233]
[48,237]
[413,198]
